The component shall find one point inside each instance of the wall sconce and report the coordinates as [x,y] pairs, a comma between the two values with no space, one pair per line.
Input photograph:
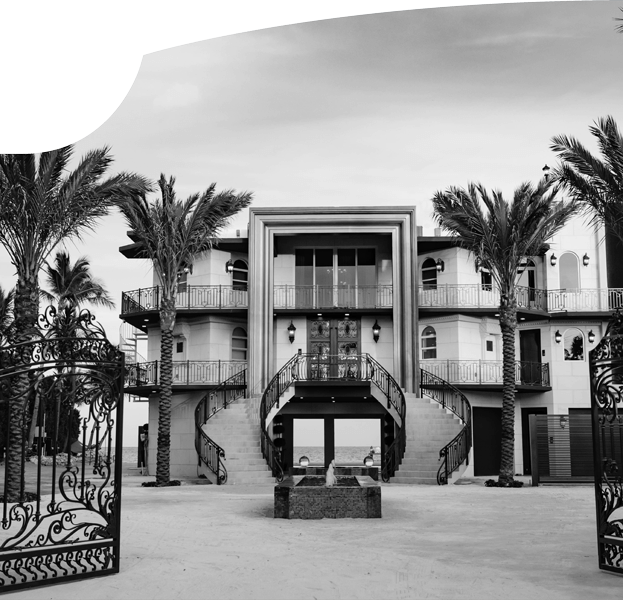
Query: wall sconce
[291,331]
[563,421]
[553,260]
[229,266]
[440,265]
[477,264]
[591,337]
[558,336]
[376,331]
[586,259]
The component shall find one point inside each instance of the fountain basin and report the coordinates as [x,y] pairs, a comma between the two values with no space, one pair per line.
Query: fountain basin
[295,500]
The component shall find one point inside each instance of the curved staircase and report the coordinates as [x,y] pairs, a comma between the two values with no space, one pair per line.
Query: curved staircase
[439,433]
[223,419]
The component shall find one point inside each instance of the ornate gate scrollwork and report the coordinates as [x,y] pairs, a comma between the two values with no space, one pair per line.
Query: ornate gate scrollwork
[606,371]
[61,409]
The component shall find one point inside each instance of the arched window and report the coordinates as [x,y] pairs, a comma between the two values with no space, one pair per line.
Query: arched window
[573,341]
[569,272]
[240,275]
[429,274]
[429,343]
[239,343]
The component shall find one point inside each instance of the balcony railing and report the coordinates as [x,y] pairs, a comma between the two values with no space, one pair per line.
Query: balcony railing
[187,372]
[581,300]
[477,296]
[188,297]
[332,296]
[487,372]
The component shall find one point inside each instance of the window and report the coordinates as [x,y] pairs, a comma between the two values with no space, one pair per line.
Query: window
[569,272]
[240,275]
[239,343]
[429,274]
[429,343]
[486,281]
[573,341]
[182,282]
[179,347]
[489,345]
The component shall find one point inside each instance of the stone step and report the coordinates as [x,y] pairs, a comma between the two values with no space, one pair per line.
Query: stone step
[414,480]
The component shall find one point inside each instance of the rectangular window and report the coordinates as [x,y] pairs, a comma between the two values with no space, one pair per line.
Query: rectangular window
[489,345]
[179,347]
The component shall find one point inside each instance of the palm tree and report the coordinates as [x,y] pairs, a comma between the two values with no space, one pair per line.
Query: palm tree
[41,204]
[70,287]
[6,333]
[172,233]
[73,285]
[501,235]
[596,184]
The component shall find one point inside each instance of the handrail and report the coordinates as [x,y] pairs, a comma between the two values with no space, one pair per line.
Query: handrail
[287,296]
[487,372]
[193,297]
[185,372]
[208,451]
[323,367]
[454,453]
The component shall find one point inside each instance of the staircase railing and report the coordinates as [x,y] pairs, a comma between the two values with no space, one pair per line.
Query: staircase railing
[217,399]
[319,367]
[454,453]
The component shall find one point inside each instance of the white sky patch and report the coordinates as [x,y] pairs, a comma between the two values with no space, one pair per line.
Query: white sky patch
[178,95]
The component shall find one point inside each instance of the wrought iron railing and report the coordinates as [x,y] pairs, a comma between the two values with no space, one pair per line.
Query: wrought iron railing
[585,300]
[208,451]
[477,296]
[185,372]
[454,453]
[333,296]
[323,367]
[191,297]
[487,372]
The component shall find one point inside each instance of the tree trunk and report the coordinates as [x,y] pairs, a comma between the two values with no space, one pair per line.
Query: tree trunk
[26,312]
[167,321]
[508,324]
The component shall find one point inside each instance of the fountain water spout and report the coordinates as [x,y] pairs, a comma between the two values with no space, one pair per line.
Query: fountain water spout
[331,479]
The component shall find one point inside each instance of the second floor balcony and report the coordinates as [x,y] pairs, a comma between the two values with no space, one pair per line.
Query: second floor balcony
[489,373]
[478,296]
[189,297]
[188,373]
[292,297]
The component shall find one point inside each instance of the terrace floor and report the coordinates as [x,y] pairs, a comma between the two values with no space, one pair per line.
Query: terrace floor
[456,541]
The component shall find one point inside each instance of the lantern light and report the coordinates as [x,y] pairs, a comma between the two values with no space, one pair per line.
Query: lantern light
[376,331]
[586,259]
[591,336]
[553,260]
[291,331]
[229,266]
[558,336]
[440,265]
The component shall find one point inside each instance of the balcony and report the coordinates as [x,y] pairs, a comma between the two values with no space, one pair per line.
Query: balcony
[196,374]
[477,296]
[488,374]
[315,297]
[191,297]
[585,300]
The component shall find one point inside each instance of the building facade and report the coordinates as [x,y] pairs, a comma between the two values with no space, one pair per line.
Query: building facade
[333,313]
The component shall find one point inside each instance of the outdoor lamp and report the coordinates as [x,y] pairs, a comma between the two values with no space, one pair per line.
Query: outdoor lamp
[229,266]
[376,331]
[591,337]
[553,260]
[368,461]
[585,259]
[303,461]
[563,421]
[546,172]
[291,331]
[440,265]
[558,336]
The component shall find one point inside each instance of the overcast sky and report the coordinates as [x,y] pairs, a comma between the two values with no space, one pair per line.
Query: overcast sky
[379,109]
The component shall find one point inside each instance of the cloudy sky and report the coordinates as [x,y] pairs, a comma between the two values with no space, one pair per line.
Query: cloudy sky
[376,109]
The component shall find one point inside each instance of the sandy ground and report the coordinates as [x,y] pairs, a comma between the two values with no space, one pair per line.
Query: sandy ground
[457,541]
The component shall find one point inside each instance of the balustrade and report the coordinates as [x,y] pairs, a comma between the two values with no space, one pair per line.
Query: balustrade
[191,297]
[187,372]
[487,372]
[332,296]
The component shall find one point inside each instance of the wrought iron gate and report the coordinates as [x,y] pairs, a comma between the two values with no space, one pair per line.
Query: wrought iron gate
[61,415]
[606,370]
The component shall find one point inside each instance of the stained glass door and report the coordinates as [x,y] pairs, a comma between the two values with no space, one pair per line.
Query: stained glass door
[334,346]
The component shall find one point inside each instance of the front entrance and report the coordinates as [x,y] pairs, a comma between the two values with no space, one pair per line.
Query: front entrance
[334,345]
[525,435]
[487,440]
